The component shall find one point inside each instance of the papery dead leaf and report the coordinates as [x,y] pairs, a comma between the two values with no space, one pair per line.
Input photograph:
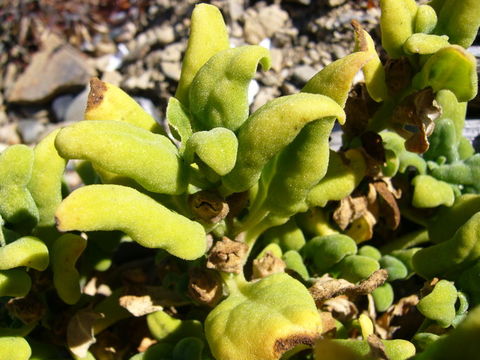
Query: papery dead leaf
[341,308]
[205,286]
[141,300]
[349,210]
[414,119]
[208,206]
[80,334]
[28,309]
[267,265]
[327,287]
[388,207]
[138,305]
[403,311]
[227,255]
[398,75]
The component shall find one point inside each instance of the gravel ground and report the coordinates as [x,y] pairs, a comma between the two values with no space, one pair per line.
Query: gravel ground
[49,49]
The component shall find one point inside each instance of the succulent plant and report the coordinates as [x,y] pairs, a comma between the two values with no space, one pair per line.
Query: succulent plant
[249,222]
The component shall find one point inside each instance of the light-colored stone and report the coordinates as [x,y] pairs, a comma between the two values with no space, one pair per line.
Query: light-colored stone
[303,73]
[171,70]
[51,71]
[264,23]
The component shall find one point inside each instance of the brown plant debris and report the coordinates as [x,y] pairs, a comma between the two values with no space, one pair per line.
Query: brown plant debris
[327,287]
[80,333]
[139,305]
[329,324]
[227,255]
[398,75]
[402,312]
[377,348]
[205,286]
[208,206]
[267,265]
[388,205]
[414,119]
[341,308]
[95,96]
[28,309]
[350,209]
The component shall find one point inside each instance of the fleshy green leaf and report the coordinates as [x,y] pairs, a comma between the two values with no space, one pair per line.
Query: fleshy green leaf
[46,182]
[27,251]
[208,36]
[178,120]
[425,44]
[450,68]
[341,178]
[453,255]
[16,202]
[109,102]
[430,192]
[396,23]
[124,149]
[270,129]
[65,253]
[262,320]
[217,148]
[439,305]
[115,207]
[219,91]
[458,19]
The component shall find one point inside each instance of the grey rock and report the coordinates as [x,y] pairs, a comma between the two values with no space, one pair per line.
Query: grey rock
[303,73]
[30,130]
[264,23]
[76,110]
[51,71]
[60,106]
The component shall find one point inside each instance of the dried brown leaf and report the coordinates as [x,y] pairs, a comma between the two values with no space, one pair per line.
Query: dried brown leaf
[267,265]
[349,210]
[145,343]
[389,207]
[28,309]
[139,305]
[205,286]
[208,206]
[341,308]
[227,255]
[327,287]
[329,324]
[414,119]
[399,313]
[398,75]
[80,333]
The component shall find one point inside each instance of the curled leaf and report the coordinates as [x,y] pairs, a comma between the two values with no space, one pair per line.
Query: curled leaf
[219,92]
[208,36]
[124,149]
[115,207]
[268,328]
[269,129]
